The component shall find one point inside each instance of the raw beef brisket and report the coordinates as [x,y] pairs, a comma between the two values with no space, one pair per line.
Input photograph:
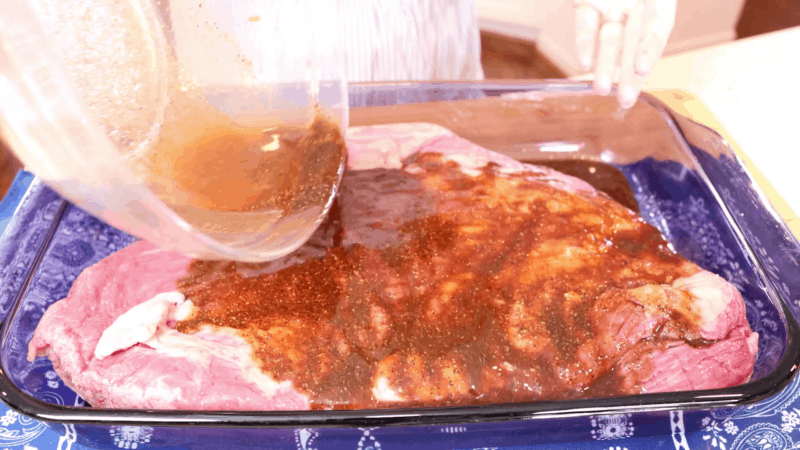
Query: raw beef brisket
[220,376]
[555,319]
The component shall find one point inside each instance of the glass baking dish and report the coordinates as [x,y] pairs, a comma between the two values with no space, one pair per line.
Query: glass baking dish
[685,180]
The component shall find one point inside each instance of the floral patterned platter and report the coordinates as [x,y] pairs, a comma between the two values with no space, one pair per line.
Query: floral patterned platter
[703,201]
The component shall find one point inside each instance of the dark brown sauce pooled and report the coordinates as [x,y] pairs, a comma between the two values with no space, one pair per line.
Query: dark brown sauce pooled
[603,177]
[439,288]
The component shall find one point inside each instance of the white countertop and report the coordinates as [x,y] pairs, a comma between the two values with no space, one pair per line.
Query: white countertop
[751,87]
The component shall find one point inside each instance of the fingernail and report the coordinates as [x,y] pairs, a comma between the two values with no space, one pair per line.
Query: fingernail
[642,68]
[585,63]
[627,97]
[602,85]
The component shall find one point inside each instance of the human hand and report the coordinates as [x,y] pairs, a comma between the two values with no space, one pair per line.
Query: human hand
[629,35]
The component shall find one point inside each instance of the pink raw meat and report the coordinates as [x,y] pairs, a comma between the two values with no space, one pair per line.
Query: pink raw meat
[144,377]
[140,377]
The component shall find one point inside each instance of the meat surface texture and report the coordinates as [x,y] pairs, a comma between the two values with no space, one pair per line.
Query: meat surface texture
[142,376]
[448,275]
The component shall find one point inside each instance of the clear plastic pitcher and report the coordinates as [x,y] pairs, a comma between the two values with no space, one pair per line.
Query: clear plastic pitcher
[212,127]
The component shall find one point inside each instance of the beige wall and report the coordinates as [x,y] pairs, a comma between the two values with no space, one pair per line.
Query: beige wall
[699,23]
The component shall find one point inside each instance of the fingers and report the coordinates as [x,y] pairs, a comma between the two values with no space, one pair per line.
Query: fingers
[630,86]
[587,21]
[630,37]
[630,83]
[607,56]
[657,23]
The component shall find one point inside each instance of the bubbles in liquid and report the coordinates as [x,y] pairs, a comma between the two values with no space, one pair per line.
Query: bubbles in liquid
[114,61]
[232,147]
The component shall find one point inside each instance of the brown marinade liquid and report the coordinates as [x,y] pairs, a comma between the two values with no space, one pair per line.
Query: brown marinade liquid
[603,177]
[453,290]
[208,162]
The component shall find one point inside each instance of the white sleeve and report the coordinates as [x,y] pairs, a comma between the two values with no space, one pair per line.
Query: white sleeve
[375,40]
[410,40]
